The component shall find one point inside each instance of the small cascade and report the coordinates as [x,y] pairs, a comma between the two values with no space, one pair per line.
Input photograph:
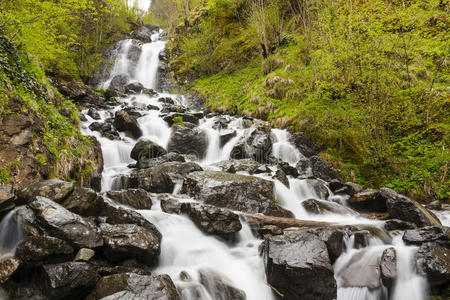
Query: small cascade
[122,63]
[283,148]
[148,64]
[11,234]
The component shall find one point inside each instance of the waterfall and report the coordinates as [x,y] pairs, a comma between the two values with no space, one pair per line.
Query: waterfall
[186,251]
[11,234]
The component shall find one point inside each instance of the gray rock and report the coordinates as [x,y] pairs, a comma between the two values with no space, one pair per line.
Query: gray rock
[127,241]
[319,207]
[136,198]
[63,224]
[186,117]
[53,189]
[124,122]
[281,177]
[438,234]
[258,145]
[433,261]
[154,162]
[323,169]
[395,224]
[368,201]
[405,209]
[119,82]
[84,254]
[8,266]
[239,165]
[298,265]
[145,149]
[38,250]
[237,192]
[226,137]
[7,197]
[388,267]
[188,141]
[69,280]
[132,286]
[304,145]
[83,202]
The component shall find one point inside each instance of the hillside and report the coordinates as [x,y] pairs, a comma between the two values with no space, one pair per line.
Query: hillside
[367,80]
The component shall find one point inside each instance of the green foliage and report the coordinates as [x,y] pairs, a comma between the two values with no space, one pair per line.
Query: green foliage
[66,35]
[178,121]
[4,176]
[367,79]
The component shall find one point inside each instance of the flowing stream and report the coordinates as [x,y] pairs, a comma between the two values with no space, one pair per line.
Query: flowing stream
[185,249]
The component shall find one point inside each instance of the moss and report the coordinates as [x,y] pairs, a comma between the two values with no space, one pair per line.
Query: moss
[178,121]
[5,177]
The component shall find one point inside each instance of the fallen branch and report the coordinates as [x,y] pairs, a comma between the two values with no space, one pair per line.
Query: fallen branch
[282,222]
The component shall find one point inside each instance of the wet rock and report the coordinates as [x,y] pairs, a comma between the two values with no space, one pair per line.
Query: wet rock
[433,261]
[318,187]
[169,108]
[84,254]
[154,162]
[368,201]
[269,230]
[106,268]
[298,265]
[106,130]
[388,267]
[146,149]
[281,177]
[304,167]
[213,220]
[257,146]
[435,205]
[438,234]
[319,207]
[130,241]
[349,188]
[304,145]
[136,198]
[63,224]
[395,224]
[237,192]
[241,165]
[288,169]
[362,238]
[134,88]
[124,122]
[186,117]
[163,178]
[323,169]
[7,197]
[405,209]
[152,107]
[69,280]
[226,137]
[83,202]
[133,286]
[8,266]
[93,114]
[166,100]
[119,82]
[114,214]
[38,250]
[53,189]
[219,286]
[188,141]
[144,32]
[334,239]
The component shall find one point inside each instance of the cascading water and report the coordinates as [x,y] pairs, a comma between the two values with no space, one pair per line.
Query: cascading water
[186,250]
[11,234]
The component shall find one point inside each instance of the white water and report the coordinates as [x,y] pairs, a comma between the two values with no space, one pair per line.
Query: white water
[11,234]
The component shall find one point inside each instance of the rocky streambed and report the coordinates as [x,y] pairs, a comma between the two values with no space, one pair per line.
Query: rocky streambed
[197,205]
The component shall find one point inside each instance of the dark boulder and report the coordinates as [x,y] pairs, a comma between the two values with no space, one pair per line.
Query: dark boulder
[319,207]
[127,241]
[69,280]
[63,224]
[124,122]
[304,168]
[106,268]
[298,265]
[258,145]
[281,177]
[83,202]
[136,198]
[395,224]
[323,169]
[362,238]
[219,286]
[405,209]
[38,250]
[134,286]
[154,162]
[226,137]
[119,82]
[433,261]
[134,88]
[319,188]
[93,114]
[307,147]
[188,141]
[237,192]
[163,178]
[145,150]
[388,267]
[213,220]
[53,189]
[106,130]
[348,188]
[368,201]
[241,165]
[288,169]
[438,234]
